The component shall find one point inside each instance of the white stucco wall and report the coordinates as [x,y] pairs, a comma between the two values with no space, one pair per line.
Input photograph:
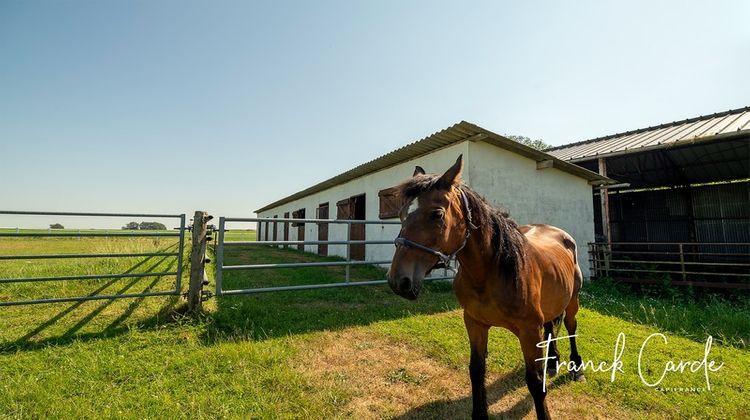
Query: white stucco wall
[503,177]
[533,195]
[370,185]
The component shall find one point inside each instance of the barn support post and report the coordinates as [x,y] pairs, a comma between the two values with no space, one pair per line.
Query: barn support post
[604,200]
[198,261]
[220,255]
[348,249]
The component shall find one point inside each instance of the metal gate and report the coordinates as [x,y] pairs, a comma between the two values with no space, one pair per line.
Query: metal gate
[347,263]
[180,234]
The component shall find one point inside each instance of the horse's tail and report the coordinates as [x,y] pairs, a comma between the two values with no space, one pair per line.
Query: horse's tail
[570,243]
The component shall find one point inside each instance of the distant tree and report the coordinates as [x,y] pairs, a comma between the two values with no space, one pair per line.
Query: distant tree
[56,226]
[131,226]
[537,144]
[151,226]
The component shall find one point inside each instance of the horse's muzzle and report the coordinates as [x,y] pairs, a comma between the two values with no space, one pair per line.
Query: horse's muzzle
[406,289]
[404,286]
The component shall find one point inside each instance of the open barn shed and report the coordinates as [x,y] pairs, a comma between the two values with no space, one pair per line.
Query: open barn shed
[683,196]
[533,186]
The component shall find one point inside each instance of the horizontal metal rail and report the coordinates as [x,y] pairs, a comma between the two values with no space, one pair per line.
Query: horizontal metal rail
[607,260]
[87,298]
[670,262]
[335,221]
[179,234]
[64,213]
[56,256]
[353,242]
[300,265]
[87,277]
[221,243]
[315,286]
[672,243]
[93,234]
[715,284]
[635,270]
[676,252]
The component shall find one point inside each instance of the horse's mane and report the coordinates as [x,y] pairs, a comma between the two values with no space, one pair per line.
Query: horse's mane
[494,224]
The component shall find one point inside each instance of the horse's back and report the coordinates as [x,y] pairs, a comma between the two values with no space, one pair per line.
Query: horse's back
[549,233]
[556,256]
[547,237]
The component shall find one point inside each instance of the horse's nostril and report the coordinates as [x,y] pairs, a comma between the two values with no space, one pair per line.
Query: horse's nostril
[405,283]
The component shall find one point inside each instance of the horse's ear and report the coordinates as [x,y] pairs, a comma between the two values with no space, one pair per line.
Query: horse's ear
[453,175]
[418,171]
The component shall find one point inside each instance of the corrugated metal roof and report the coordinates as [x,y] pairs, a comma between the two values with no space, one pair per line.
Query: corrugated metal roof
[457,133]
[735,122]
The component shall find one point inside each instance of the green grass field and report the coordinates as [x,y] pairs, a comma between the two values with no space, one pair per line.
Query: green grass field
[347,352]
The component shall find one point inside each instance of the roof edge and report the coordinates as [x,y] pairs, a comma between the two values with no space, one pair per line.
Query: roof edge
[471,132]
[681,143]
[656,127]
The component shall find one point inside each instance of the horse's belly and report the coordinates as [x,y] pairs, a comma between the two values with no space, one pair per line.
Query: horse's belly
[557,290]
[480,306]
[555,298]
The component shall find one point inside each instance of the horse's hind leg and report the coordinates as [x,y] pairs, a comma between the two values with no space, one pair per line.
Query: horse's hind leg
[550,331]
[571,324]
[530,336]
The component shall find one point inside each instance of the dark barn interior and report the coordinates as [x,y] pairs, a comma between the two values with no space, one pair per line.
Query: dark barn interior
[680,212]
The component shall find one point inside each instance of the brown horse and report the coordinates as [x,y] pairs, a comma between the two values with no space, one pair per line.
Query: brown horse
[523,278]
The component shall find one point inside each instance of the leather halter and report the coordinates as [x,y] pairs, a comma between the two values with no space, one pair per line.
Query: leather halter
[443,258]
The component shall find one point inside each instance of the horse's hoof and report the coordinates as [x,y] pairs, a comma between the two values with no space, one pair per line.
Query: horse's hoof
[551,372]
[578,377]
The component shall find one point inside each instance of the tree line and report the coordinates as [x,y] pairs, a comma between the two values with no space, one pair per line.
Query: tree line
[144,226]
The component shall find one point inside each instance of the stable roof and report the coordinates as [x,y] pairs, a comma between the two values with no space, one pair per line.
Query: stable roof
[732,123]
[711,148]
[463,131]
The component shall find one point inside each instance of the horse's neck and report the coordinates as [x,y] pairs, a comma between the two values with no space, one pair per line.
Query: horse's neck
[476,257]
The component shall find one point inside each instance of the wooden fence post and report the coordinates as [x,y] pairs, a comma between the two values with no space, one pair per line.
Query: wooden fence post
[197,261]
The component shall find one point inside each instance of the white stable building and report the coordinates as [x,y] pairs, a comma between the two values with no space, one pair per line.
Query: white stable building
[533,186]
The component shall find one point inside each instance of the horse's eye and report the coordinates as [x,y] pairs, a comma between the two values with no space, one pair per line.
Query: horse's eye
[437,214]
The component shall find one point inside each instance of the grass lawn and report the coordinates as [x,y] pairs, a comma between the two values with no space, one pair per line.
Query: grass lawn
[346,352]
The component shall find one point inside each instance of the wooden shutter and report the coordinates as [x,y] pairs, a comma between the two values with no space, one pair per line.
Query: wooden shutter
[390,203]
[286,228]
[344,209]
[299,214]
[323,229]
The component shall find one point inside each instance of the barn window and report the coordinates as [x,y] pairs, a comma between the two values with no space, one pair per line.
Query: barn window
[390,204]
[298,214]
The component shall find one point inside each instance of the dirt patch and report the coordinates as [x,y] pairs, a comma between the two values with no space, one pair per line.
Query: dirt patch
[389,379]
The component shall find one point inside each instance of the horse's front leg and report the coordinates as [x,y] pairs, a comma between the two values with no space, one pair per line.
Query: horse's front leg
[477,365]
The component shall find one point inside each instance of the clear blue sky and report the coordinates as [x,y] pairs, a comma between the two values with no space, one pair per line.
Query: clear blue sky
[113,106]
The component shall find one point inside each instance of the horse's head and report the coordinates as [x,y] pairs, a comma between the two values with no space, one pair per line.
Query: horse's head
[433,226]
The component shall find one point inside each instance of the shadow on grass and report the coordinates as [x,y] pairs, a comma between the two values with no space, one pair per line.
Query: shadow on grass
[165,315]
[461,408]
[509,383]
[269,315]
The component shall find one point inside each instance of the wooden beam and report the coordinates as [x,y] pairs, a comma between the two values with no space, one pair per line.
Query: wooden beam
[197,261]
[604,201]
[544,164]
[477,137]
